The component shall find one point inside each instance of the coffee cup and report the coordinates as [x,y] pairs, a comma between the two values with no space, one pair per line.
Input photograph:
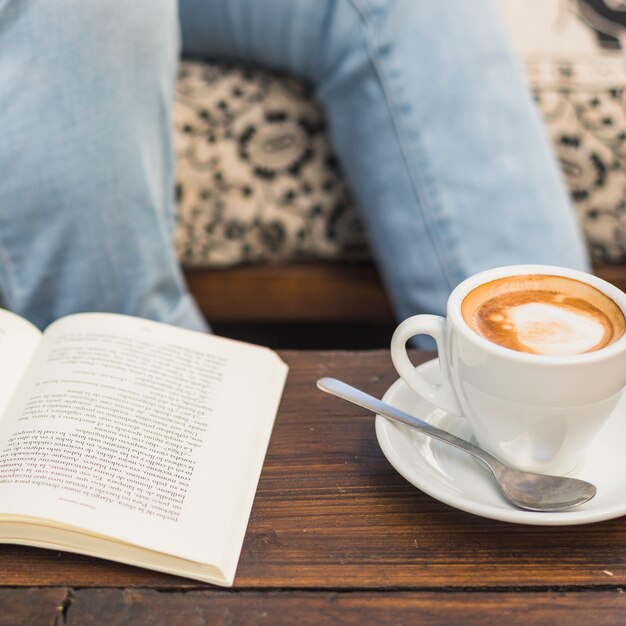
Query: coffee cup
[534,357]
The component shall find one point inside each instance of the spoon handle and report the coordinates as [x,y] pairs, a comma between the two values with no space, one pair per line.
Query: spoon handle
[360,398]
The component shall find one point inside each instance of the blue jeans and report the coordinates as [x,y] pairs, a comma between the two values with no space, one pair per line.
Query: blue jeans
[429,116]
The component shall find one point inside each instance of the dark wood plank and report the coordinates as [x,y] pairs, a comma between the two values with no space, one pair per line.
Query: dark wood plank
[331,513]
[305,292]
[615,274]
[33,607]
[121,608]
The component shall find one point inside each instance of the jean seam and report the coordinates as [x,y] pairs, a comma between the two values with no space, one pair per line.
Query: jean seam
[426,206]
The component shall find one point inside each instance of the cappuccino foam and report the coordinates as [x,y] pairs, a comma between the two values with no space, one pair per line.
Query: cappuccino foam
[541,314]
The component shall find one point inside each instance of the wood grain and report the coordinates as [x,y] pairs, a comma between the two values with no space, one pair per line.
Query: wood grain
[331,513]
[33,607]
[151,608]
[121,607]
[305,292]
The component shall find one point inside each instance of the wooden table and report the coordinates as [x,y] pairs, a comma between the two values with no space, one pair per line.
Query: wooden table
[338,537]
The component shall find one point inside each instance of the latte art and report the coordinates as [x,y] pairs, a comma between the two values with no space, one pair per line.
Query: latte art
[548,315]
[548,329]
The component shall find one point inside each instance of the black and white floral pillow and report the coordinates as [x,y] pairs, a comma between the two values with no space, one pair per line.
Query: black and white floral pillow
[257,180]
[574,55]
[256,177]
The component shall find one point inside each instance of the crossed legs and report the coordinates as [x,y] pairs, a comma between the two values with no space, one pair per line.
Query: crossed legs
[432,123]
[428,113]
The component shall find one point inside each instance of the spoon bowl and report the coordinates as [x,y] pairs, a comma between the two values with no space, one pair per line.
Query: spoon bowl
[540,492]
[526,490]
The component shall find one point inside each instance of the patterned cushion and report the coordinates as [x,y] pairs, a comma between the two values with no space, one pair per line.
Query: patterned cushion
[257,180]
[256,177]
[573,54]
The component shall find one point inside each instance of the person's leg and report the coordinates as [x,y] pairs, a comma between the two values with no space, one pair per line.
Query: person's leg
[85,160]
[432,123]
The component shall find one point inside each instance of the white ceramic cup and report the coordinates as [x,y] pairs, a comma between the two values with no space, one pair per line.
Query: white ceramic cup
[534,412]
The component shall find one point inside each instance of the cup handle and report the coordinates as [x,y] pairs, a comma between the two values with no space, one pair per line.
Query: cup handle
[442,395]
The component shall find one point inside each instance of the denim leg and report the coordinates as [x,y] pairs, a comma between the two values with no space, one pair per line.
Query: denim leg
[433,125]
[85,160]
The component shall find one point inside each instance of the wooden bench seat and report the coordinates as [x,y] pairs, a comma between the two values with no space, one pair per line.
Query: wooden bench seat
[307,292]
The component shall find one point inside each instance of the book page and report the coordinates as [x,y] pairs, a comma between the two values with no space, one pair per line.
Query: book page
[139,431]
[18,341]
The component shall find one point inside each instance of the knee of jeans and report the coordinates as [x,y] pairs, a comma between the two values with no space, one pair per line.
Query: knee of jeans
[353,33]
[102,33]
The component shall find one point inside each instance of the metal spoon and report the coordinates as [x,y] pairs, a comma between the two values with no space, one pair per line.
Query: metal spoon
[535,492]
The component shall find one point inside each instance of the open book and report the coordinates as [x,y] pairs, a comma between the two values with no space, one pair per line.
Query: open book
[132,440]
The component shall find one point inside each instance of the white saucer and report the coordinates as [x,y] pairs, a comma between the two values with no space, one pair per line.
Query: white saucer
[454,477]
